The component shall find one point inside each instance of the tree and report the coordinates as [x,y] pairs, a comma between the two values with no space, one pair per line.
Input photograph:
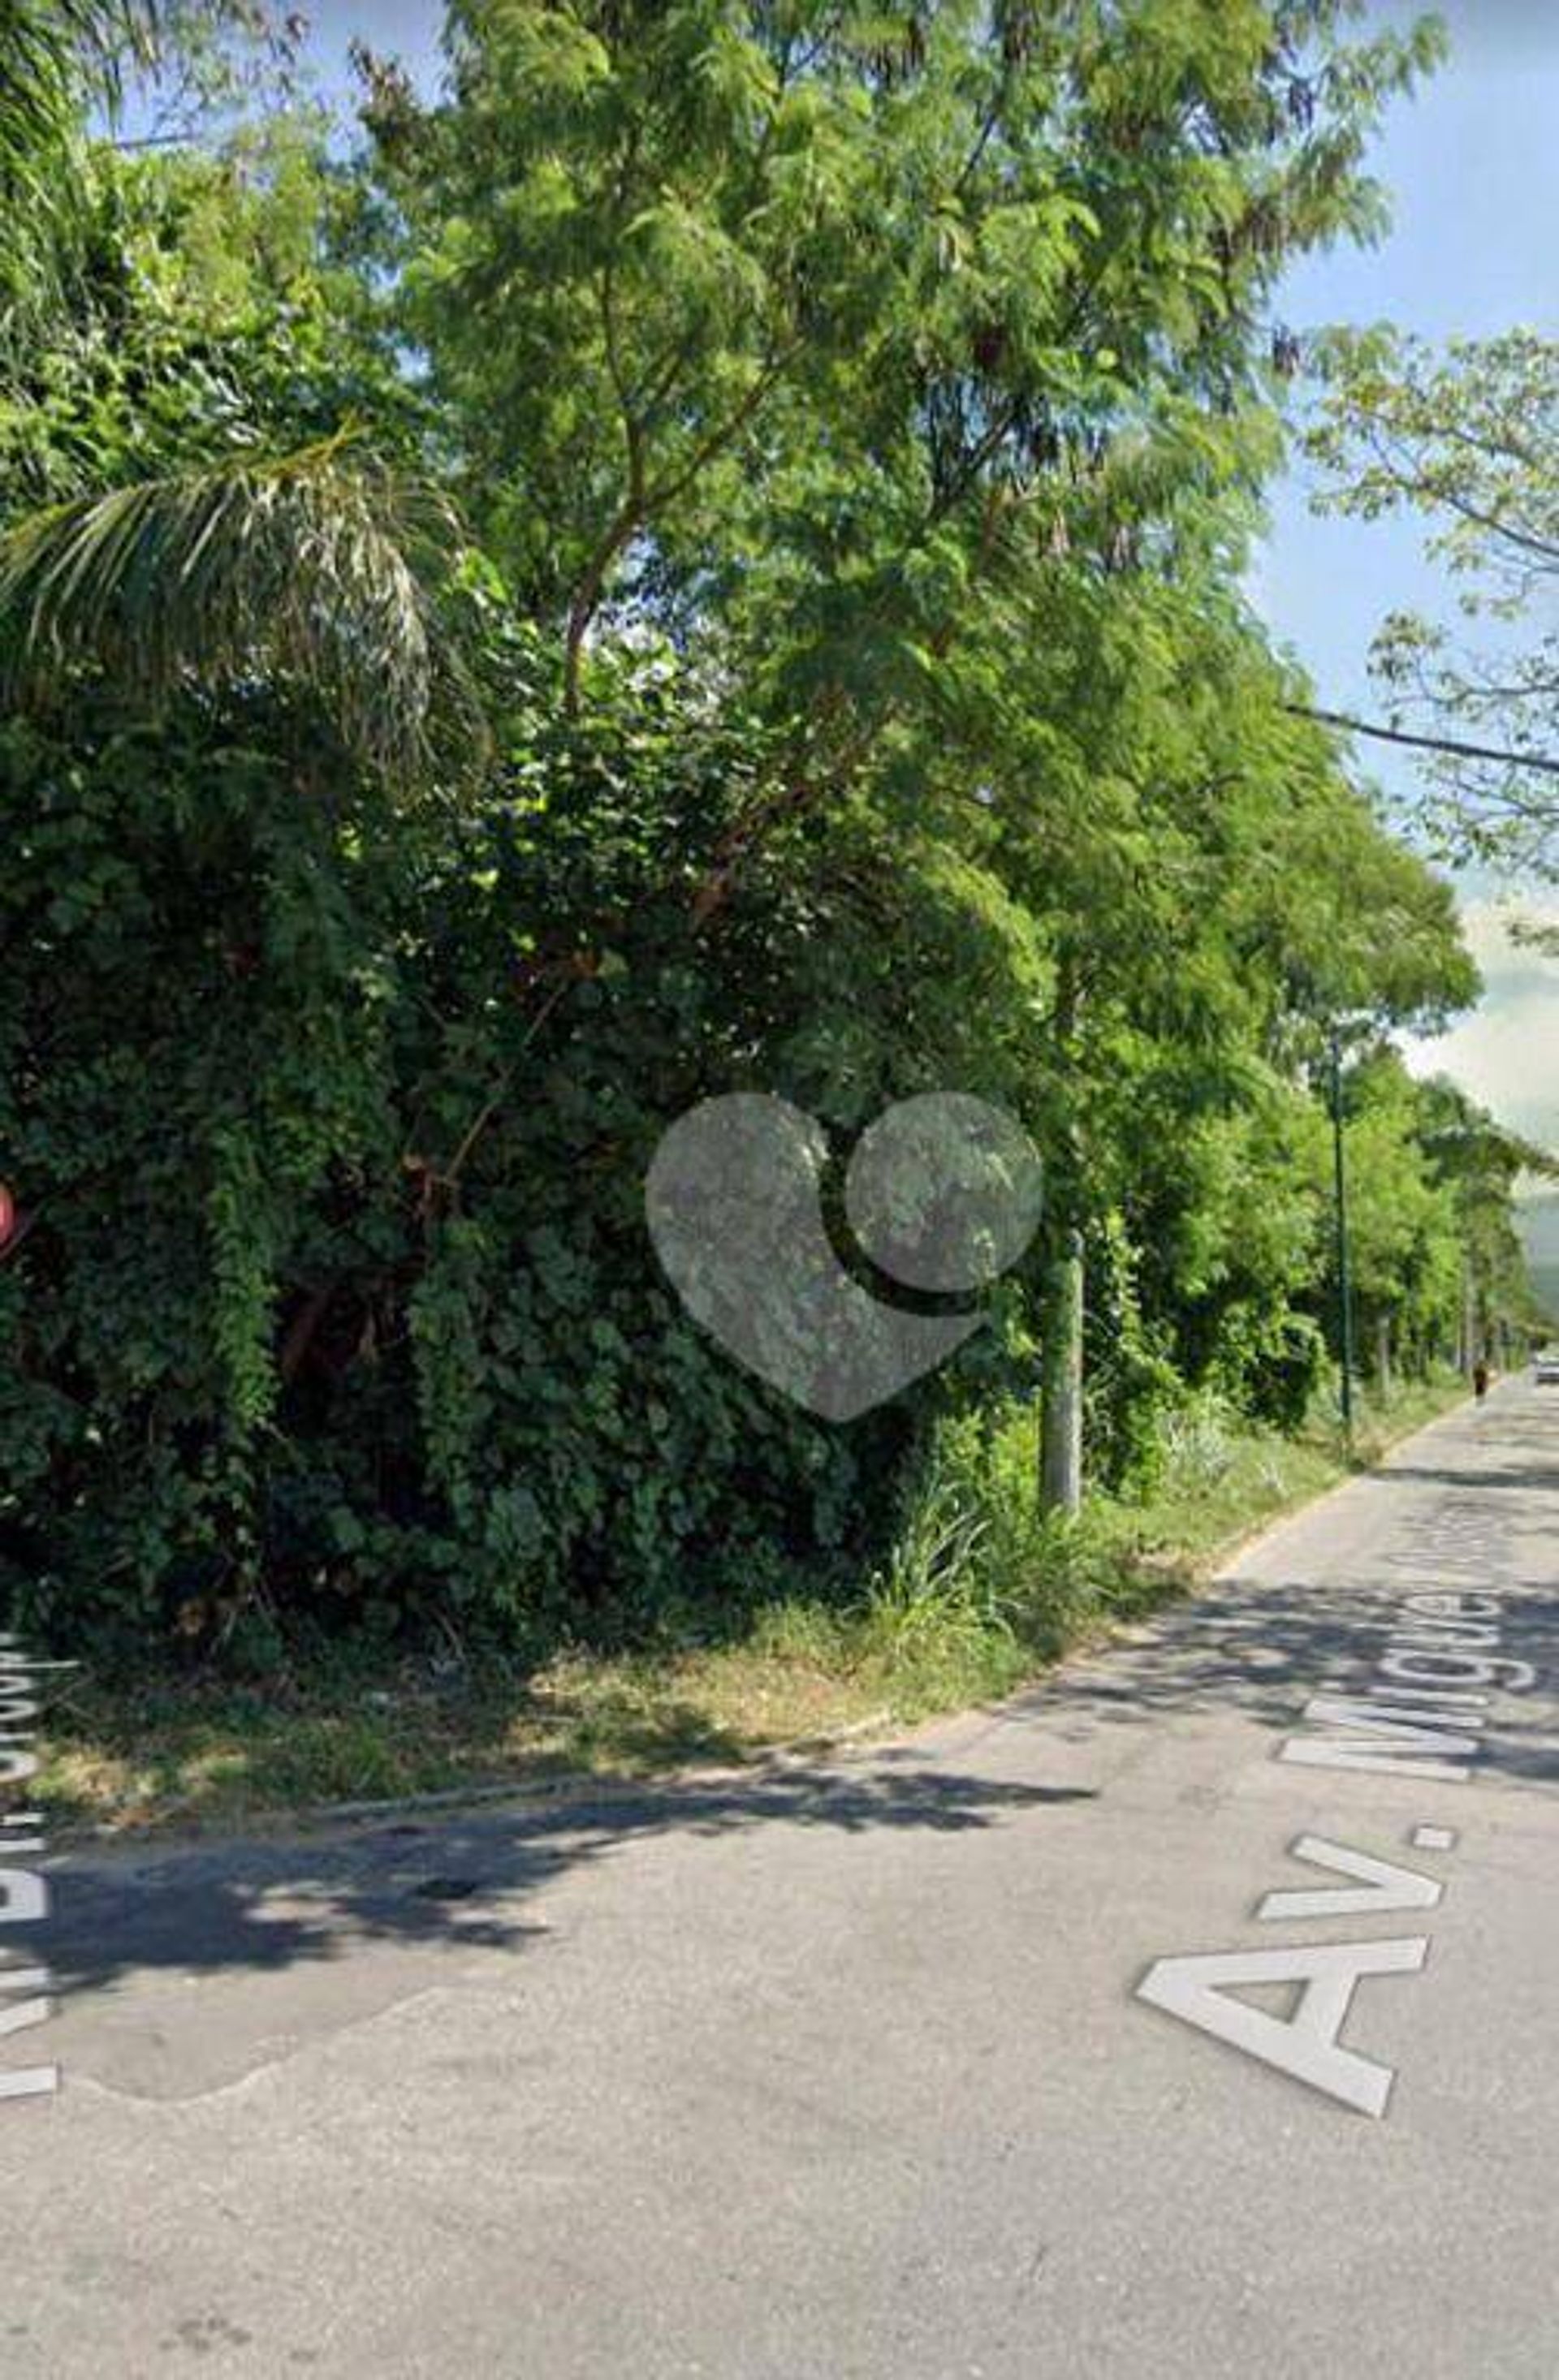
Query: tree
[315,564]
[800,328]
[1480,1167]
[309,568]
[859,423]
[1472,441]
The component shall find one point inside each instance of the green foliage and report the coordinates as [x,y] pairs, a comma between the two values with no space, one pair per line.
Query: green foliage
[1470,440]
[839,688]
[53,55]
[857,309]
[287,568]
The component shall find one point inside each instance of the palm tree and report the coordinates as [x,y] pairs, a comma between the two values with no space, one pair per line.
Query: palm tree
[47,49]
[55,55]
[313,568]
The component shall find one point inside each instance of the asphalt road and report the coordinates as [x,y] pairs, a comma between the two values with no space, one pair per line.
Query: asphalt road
[846,2074]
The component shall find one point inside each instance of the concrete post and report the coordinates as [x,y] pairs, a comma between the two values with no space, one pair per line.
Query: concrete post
[1471,1349]
[1060,1426]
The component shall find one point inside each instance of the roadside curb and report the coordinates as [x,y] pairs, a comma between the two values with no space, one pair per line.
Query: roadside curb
[584,1785]
[567,1785]
[794,1753]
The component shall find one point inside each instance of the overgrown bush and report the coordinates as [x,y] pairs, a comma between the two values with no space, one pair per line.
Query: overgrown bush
[330,1123]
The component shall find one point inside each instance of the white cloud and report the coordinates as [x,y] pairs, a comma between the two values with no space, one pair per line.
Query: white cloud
[1506,1051]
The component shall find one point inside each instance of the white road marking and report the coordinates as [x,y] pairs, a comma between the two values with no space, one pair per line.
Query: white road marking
[1304,2044]
[1382,1886]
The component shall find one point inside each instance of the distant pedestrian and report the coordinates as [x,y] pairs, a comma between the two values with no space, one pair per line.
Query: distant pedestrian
[1480,1379]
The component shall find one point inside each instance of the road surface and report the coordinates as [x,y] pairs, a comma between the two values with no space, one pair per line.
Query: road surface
[918,2066]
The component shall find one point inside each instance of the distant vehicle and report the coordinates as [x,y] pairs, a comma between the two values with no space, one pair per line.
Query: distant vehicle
[1545,1368]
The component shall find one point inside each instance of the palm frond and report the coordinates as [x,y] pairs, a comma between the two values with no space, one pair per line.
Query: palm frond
[57,57]
[310,570]
[54,52]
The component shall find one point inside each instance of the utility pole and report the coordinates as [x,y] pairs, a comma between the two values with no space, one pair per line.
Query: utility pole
[1345,1290]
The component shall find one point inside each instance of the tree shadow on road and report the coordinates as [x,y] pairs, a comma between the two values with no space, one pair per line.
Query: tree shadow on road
[1264,1649]
[465,1882]
[1534,1481]
[461,1881]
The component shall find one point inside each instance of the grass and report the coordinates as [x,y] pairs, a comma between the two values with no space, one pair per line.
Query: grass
[979,1595]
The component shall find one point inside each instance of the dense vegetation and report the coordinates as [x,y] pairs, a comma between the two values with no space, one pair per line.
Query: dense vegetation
[709,557]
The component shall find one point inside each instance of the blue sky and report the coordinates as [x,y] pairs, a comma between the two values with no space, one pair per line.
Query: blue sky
[1472,164]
